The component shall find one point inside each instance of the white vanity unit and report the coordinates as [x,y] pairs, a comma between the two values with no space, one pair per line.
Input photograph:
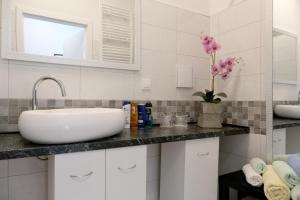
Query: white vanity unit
[111,174]
[189,171]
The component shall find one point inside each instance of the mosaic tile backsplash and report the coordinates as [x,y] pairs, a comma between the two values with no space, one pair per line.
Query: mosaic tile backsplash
[243,113]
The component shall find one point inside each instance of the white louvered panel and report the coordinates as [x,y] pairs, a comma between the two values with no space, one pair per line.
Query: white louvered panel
[118,34]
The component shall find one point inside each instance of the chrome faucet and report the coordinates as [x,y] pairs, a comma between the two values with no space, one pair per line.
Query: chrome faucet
[36,85]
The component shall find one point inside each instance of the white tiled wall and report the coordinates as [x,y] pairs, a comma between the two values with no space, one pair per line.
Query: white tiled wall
[170,36]
[24,179]
[239,30]
[242,29]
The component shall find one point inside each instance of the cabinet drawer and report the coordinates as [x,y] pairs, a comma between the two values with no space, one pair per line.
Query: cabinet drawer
[77,176]
[201,172]
[126,173]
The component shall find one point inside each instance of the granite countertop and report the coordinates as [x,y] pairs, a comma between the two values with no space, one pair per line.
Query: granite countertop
[14,146]
[279,123]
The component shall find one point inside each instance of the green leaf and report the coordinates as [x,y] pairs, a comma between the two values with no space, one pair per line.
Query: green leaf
[200,94]
[217,100]
[222,94]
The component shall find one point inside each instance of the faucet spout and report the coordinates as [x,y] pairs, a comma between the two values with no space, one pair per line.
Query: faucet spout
[37,84]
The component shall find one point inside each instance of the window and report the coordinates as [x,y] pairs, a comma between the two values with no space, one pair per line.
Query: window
[51,37]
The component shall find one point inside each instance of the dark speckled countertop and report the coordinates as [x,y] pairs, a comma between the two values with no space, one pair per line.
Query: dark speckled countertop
[279,123]
[14,146]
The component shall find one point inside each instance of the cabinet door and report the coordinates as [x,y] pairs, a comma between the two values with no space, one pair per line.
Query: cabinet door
[77,176]
[201,169]
[126,173]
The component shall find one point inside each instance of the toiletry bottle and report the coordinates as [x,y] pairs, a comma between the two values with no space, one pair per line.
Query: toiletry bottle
[134,115]
[142,116]
[149,118]
[126,108]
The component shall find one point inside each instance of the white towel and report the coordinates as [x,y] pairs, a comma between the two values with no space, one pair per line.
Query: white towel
[252,177]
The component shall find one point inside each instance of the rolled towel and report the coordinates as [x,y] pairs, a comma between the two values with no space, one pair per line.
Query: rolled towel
[258,165]
[294,162]
[252,177]
[286,173]
[281,157]
[295,193]
[274,187]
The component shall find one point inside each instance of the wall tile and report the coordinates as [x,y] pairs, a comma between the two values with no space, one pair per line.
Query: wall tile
[186,22]
[153,150]
[158,39]
[106,84]
[244,38]
[248,11]
[26,166]
[28,187]
[3,79]
[22,78]
[158,14]
[200,66]
[153,190]
[3,168]
[229,162]
[250,64]
[242,88]
[4,189]
[242,145]
[153,168]
[189,45]
[158,64]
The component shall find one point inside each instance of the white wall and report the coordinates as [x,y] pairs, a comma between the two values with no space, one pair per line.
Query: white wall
[244,30]
[200,6]
[239,30]
[286,17]
[169,37]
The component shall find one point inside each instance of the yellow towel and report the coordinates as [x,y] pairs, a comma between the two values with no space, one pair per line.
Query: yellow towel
[274,187]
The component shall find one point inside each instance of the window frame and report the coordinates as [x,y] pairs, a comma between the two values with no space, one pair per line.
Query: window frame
[6,38]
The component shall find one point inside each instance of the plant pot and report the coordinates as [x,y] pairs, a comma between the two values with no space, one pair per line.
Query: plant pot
[210,115]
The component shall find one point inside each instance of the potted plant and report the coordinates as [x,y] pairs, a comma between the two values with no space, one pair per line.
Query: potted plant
[211,108]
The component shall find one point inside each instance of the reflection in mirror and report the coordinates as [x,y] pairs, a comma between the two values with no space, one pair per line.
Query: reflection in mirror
[284,57]
[286,121]
[99,33]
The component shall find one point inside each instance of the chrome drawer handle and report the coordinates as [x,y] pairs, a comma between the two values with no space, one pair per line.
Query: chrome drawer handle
[81,178]
[127,170]
[200,155]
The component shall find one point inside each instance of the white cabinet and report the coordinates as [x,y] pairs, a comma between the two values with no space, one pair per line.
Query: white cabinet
[126,170]
[189,170]
[279,141]
[112,174]
[77,176]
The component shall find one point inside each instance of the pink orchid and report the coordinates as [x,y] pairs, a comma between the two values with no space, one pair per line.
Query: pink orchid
[222,64]
[215,46]
[225,76]
[214,70]
[206,40]
[230,61]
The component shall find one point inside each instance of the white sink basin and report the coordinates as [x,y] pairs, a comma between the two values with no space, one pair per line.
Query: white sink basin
[288,111]
[70,125]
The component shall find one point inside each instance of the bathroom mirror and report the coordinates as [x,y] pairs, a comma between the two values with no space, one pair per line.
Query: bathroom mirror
[286,118]
[284,57]
[96,33]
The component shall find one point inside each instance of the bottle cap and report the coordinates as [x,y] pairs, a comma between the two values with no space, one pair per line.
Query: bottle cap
[126,102]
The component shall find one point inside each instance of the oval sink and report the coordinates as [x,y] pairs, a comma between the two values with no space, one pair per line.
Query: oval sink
[288,111]
[70,125]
